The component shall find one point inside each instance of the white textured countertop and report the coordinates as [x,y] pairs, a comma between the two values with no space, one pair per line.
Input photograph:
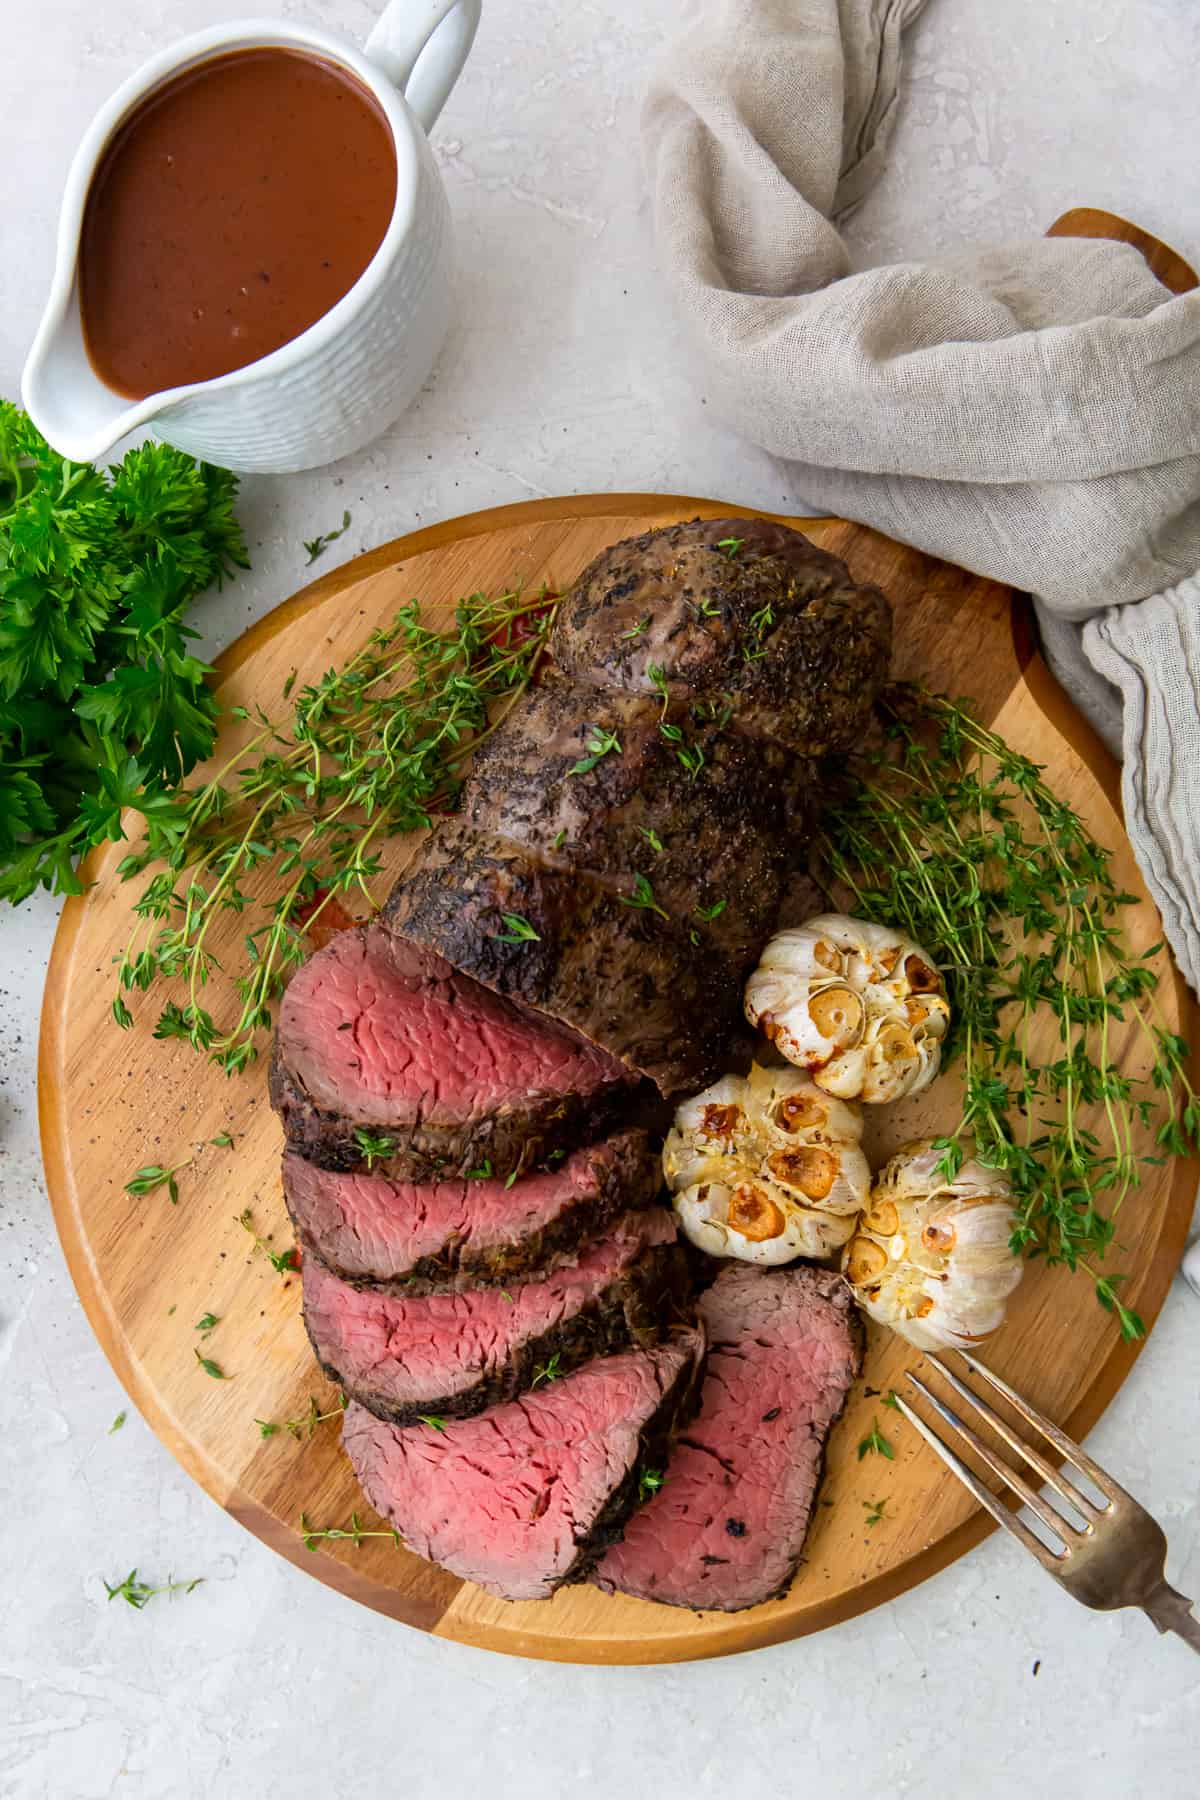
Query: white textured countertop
[561,374]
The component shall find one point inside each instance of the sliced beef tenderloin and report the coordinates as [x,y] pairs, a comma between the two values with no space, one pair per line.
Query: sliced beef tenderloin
[415,1238]
[726,1529]
[618,973]
[387,1057]
[743,612]
[452,1355]
[588,782]
[526,1496]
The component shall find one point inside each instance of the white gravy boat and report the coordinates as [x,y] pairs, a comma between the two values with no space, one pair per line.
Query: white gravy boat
[344,380]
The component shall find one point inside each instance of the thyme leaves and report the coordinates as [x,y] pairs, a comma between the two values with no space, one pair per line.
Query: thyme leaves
[291,827]
[950,834]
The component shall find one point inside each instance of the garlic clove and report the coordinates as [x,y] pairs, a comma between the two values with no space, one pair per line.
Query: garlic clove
[838,1014]
[785,1105]
[865,1261]
[843,1076]
[835,1181]
[922,978]
[798,1112]
[717,1113]
[939,1236]
[753,1214]
[721,1121]
[809,1167]
[882,1217]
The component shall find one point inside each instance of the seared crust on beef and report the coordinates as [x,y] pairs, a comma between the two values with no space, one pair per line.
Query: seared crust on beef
[513,1141]
[528,1496]
[485,1346]
[674,600]
[411,1239]
[724,832]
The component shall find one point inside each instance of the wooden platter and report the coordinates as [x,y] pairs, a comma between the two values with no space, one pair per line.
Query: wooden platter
[147,1270]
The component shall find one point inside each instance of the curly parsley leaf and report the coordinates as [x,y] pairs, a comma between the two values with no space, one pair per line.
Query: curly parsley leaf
[103,706]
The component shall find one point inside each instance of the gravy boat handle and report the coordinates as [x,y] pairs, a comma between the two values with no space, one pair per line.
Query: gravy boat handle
[438,35]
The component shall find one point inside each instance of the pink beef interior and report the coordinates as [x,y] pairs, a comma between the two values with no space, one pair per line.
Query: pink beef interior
[369,1224]
[505,1499]
[726,1528]
[408,1350]
[374,1025]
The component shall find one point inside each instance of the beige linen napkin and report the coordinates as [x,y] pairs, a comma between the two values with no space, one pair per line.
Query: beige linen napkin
[1032,412]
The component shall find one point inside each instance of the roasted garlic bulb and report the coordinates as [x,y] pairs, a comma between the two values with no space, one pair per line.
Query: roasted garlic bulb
[931,1257]
[859,1006]
[766,1168]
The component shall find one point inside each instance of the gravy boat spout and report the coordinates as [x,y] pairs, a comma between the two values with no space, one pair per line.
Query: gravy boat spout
[62,394]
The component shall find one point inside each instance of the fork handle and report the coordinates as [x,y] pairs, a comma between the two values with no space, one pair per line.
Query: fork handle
[1172,1611]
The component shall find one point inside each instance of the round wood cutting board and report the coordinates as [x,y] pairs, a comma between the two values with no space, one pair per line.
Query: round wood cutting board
[147,1269]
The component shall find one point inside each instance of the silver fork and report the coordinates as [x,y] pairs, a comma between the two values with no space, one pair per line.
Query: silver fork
[1115,1558]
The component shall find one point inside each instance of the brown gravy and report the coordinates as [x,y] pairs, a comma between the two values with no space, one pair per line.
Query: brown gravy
[233,208]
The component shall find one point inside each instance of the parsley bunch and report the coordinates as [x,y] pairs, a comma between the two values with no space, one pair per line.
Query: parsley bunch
[102,703]
[954,837]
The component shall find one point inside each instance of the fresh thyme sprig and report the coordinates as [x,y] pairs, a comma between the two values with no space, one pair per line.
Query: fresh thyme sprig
[154,1176]
[304,1425]
[292,824]
[318,545]
[709,913]
[953,836]
[284,1262]
[356,1535]
[139,1593]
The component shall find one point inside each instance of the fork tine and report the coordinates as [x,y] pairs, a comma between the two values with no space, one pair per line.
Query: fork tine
[984,1495]
[1049,1474]
[1042,1509]
[1070,1449]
